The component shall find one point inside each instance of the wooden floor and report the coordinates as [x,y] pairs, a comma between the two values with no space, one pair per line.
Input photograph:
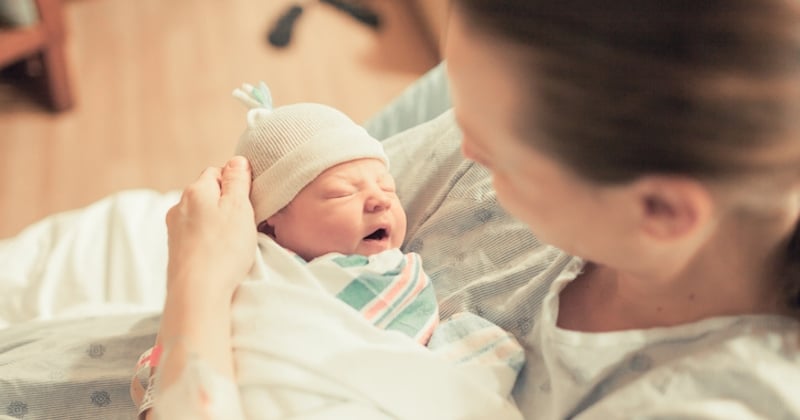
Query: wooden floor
[152,81]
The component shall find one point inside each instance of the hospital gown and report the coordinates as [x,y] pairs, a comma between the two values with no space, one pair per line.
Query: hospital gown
[734,367]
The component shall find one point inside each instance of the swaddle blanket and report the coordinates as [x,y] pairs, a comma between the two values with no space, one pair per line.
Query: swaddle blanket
[302,352]
[392,291]
[389,289]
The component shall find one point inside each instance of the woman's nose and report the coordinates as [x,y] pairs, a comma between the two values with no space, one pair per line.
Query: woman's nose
[378,201]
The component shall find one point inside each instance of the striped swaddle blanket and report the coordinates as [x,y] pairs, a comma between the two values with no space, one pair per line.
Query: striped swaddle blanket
[392,291]
[389,289]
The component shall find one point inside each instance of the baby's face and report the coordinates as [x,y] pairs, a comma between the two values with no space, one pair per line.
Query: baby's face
[351,208]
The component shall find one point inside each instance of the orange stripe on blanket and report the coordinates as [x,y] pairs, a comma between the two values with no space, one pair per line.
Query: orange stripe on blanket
[419,285]
[465,347]
[383,299]
[502,350]
[425,333]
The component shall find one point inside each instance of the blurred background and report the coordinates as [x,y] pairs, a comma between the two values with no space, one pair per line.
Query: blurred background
[137,94]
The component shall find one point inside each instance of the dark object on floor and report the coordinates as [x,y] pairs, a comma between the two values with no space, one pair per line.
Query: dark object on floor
[281,33]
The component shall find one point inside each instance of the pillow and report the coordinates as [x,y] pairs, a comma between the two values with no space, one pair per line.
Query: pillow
[424,100]
[17,13]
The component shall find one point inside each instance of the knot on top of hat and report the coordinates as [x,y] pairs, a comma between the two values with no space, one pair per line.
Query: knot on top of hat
[254,96]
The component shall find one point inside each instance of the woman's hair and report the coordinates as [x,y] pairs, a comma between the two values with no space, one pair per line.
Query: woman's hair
[622,88]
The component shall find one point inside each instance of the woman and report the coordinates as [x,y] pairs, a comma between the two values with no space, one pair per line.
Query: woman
[677,125]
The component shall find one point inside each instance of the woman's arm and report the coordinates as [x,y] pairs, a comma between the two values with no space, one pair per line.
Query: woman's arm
[212,243]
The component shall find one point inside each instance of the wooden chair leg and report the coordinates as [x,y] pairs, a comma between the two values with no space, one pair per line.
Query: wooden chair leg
[53,57]
[57,79]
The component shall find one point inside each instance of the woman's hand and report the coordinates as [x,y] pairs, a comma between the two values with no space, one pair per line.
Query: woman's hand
[212,245]
[212,234]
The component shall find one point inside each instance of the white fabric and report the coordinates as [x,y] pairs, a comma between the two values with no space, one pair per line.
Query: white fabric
[300,351]
[109,257]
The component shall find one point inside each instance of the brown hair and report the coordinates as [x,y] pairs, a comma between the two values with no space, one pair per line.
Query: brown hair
[708,89]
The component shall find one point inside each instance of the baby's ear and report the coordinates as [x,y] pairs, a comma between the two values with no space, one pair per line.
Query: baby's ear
[266,229]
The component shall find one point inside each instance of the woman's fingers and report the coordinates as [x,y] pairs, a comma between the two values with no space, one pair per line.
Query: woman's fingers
[208,182]
[230,182]
[212,228]
[235,181]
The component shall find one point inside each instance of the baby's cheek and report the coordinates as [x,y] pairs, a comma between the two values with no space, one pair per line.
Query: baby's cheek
[398,237]
[397,241]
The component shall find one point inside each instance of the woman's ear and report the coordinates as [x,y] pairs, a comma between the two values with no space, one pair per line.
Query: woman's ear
[672,207]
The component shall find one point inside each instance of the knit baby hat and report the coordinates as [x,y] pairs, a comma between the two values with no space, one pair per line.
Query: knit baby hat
[289,146]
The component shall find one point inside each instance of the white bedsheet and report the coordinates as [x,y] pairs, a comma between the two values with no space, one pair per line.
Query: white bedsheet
[107,258]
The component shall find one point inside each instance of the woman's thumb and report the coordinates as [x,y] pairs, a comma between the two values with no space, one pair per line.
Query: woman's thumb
[236,178]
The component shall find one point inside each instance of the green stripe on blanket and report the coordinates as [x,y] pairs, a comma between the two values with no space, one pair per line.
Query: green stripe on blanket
[400,299]
[366,287]
[417,314]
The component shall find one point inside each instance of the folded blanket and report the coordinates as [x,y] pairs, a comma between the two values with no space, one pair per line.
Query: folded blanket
[302,352]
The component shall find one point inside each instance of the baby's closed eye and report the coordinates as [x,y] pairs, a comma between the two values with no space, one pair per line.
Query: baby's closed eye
[387,184]
[339,191]
[338,194]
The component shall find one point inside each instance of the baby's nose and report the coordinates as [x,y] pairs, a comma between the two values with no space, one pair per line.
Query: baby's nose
[378,201]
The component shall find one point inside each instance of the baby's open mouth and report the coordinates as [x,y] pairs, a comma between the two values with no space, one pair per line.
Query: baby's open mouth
[378,235]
